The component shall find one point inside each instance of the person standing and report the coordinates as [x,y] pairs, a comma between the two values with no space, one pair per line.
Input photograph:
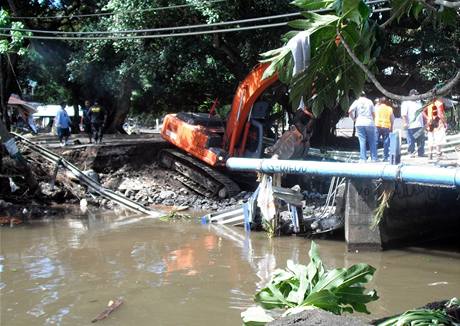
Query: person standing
[362,113]
[384,119]
[62,122]
[97,117]
[436,126]
[85,120]
[411,113]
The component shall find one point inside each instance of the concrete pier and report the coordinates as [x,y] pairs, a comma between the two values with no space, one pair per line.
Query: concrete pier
[361,201]
[416,213]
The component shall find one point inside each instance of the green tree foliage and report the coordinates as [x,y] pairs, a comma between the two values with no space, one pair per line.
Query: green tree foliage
[11,46]
[418,46]
[14,43]
[170,74]
[333,78]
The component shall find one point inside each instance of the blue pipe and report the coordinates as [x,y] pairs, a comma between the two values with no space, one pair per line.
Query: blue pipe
[405,173]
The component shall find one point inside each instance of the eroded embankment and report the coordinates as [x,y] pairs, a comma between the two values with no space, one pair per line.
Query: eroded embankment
[126,165]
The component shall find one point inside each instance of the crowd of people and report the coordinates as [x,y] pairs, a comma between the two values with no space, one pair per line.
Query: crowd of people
[374,124]
[92,122]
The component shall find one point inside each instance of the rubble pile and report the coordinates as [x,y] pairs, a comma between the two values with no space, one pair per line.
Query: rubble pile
[154,185]
[150,185]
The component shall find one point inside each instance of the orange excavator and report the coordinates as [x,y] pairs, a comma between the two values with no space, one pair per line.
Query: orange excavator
[207,141]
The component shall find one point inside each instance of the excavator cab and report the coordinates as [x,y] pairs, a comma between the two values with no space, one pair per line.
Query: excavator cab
[258,120]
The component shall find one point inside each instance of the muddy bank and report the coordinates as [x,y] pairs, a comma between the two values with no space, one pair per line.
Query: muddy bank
[143,181]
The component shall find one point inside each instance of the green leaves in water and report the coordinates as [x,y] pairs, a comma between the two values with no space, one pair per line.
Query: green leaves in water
[420,317]
[300,287]
[175,216]
[425,317]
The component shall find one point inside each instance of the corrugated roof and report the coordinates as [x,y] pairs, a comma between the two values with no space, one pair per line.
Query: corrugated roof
[15,100]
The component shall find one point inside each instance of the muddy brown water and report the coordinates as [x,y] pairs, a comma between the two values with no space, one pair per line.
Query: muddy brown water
[65,271]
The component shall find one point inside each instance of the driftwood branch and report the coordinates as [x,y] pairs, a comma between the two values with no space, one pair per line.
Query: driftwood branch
[111,307]
[428,95]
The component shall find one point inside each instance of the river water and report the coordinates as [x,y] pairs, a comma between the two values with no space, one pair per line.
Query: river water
[65,271]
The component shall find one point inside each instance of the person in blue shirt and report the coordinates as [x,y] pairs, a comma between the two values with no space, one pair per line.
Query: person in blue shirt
[62,122]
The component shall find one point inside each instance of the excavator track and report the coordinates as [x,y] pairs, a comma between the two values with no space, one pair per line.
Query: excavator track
[199,176]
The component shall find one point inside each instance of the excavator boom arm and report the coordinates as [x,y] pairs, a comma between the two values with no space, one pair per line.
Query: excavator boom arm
[247,93]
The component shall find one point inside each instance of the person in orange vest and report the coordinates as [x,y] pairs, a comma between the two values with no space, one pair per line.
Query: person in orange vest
[384,119]
[436,126]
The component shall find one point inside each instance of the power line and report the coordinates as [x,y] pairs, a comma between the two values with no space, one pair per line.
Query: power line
[149,30]
[134,11]
[128,37]
[113,12]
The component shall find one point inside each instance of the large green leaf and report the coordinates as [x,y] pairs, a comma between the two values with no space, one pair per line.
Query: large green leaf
[313,21]
[315,268]
[267,300]
[356,298]
[280,295]
[325,300]
[344,277]
[274,295]
[350,10]
[357,274]
[285,73]
[273,53]
[355,294]
[313,4]
[276,62]
[300,287]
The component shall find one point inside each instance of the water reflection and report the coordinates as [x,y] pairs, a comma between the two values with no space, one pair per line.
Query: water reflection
[65,271]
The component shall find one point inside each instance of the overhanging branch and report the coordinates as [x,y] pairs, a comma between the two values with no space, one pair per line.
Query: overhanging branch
[450,4]
[426,4]
[393,17]
[428,95]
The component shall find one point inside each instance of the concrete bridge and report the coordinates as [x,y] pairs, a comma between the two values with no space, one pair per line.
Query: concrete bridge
[423,200]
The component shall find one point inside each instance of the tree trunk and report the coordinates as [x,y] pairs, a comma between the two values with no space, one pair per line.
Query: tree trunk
[120,109]
[6,89]
[325,127]
[229,57]
[3,101]
[4,134]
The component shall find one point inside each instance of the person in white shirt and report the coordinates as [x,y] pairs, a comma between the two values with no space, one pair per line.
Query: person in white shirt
[362,112]
[412,118]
